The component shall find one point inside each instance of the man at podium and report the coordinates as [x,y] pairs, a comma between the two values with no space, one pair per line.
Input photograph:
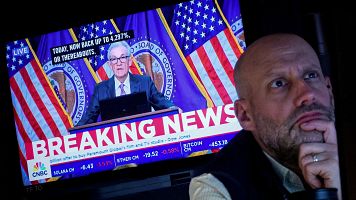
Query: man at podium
[123,83]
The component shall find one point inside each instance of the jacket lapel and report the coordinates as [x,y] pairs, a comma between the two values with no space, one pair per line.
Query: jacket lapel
[111,87]
[134,83]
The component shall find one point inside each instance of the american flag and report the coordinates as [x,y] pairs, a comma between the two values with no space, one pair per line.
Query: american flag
[38,113]
[231,10]
[209,46]
[98,62]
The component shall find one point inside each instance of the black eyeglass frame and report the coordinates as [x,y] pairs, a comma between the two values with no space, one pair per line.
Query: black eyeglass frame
[122,59]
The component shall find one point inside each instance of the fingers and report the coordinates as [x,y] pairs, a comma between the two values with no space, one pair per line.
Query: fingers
[307,149]
[319,164]
[324,173]
[326,127]
[317,157]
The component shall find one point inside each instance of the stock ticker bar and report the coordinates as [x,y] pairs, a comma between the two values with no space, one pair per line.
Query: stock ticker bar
[177,150]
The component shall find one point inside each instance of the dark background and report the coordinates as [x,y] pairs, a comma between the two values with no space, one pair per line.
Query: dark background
[329,27]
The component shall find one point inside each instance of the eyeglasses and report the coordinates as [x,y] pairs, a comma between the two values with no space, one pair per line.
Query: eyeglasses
[122,59]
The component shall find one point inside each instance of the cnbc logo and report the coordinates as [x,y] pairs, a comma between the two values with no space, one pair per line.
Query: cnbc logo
[39,169]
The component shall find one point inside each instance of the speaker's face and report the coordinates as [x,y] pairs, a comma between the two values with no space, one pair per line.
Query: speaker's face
[120,62]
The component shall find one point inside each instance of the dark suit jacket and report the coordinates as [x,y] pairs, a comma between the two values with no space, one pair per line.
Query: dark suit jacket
[106,90]
[245,171]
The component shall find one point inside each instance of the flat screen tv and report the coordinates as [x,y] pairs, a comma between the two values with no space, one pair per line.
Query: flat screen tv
[189,49]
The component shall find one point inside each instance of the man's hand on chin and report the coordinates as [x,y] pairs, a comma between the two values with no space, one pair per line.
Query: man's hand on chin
[319,162]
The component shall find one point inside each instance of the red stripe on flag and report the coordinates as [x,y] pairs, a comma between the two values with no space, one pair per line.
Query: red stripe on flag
[41,107]
[21,129]
[213,76]
[34,182]
[28,113]
[102,74]
[134,70]
[235,47]
[225,63]
[190,62]
[23,161]
[63,115]
[192,66]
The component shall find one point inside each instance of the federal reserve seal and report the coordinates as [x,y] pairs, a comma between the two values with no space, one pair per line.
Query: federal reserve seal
[154,61]
[69,87]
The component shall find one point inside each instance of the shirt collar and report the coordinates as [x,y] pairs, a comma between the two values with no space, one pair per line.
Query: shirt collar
[290,180]
[126,82]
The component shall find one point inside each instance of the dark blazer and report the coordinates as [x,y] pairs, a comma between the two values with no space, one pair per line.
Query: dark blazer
[106,90]
[245,171]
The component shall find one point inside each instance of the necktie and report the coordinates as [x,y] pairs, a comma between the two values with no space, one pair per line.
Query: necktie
[122,89]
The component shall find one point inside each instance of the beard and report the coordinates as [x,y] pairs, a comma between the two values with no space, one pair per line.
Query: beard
[282,141]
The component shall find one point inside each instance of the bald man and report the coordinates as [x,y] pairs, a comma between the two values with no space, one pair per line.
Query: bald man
[288,143]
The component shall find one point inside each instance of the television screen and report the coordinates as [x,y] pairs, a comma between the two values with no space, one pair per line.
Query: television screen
[188,49]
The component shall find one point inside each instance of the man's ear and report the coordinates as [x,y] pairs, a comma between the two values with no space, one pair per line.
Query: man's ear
[243,114]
